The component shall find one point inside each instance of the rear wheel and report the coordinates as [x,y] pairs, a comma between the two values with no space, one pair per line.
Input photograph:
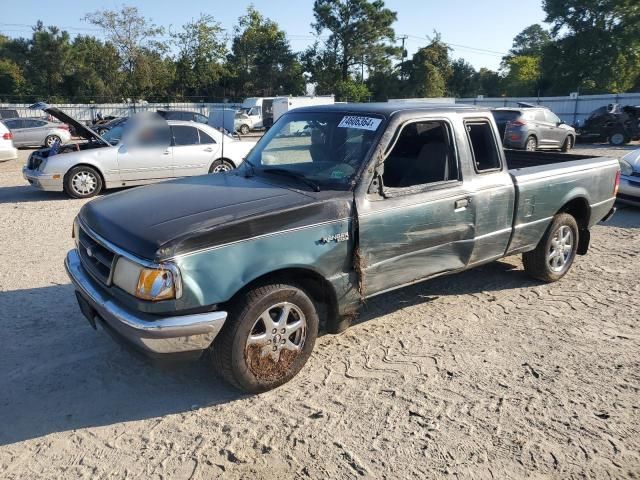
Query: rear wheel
[618,138]
[267,339]
[568,144]
[220,166]
[51,139]
[554,255]
[82,182]
[531,145]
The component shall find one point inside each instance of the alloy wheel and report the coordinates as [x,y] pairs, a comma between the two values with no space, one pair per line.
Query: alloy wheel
[561,249]
[84,183]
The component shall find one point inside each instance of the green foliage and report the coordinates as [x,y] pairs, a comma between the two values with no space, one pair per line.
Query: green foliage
[12,80]
[523,75]
[261,60]
[530,42]
[463,81]
[351,91]
[429,70]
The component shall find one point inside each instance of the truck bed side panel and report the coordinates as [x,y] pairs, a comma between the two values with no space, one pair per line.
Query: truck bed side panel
[542,191]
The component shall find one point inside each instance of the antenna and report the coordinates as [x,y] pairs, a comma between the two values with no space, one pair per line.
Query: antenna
[223,131]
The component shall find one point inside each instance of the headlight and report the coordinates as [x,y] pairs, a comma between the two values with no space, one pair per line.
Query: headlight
[625,168]
[152,284]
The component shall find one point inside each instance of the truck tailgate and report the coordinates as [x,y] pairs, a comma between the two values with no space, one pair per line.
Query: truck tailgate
[542,190]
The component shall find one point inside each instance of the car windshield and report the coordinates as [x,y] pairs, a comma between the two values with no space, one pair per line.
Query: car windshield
[323,149]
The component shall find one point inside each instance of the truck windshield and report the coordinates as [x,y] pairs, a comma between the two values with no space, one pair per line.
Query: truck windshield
[325,149]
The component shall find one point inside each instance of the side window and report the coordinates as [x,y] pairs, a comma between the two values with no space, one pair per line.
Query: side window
[423,154]
[540,116]
[205,139]
[37,123]
[551,117]
[183,135]
[483,146]
[201,119]
[11,124]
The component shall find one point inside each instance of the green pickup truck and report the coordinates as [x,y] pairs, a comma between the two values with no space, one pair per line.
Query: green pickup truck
[334,205]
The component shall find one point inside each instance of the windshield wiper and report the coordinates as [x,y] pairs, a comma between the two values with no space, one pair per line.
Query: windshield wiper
[292,174]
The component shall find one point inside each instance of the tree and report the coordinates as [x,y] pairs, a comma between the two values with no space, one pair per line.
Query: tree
[489,83]
[429,70]
[523,75]
[463,80]
[48,58]
[359,32]
[596,45]
[12,82]
[134,37]
[201,57]
[351,91]
[261,60]
[530,41]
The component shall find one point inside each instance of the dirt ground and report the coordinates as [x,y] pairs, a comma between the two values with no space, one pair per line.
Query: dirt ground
[486,374]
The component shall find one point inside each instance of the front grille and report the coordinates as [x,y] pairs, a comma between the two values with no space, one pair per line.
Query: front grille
[34,161]
[95,257]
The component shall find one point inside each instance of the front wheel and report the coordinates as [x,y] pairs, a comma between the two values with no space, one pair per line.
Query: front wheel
[554,255]
[267,339]
[568,144]
[82,182]
[244,129]
[51,139]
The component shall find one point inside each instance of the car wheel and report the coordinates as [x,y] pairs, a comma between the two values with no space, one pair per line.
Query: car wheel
[267,338]
[220,166]
[82,182]
[244,129]
[554,255]
[531,145]
[568,144]
[51,139]
[618,138]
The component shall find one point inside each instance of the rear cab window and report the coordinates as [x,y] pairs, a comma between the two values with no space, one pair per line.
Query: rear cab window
[484,148]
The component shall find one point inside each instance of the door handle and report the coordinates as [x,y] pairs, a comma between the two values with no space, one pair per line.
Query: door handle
[209,149]
[461,204]
[166,152]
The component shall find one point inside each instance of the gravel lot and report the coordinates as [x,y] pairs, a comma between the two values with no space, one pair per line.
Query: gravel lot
[486,374]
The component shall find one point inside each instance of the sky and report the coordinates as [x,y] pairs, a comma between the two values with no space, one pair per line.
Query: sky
[480,31]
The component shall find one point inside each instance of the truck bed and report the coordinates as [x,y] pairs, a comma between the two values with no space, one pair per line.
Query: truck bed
[547,181]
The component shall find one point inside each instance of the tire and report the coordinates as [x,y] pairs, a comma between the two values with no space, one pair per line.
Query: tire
[221,166]
[531,144]
[249,355]
[568,144]
[556,251]
[618,138]
[51,139]
[82,182]
[244,129]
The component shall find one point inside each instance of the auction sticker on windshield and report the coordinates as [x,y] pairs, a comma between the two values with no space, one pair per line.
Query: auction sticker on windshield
[361,123]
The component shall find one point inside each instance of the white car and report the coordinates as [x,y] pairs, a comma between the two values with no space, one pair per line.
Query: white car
[106,161]
[7,150]
[629,191]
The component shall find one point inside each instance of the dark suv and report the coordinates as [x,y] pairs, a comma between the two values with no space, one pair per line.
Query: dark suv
[183,115]
[532,128]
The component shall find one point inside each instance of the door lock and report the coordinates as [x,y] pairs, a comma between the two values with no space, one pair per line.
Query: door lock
[462,204]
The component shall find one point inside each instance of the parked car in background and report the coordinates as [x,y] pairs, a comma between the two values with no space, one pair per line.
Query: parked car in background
[7,150]
[533,128]
[183,115]
[629,191]
[33,132]
[613,123]
[109,161]
[8,113]
[104,127]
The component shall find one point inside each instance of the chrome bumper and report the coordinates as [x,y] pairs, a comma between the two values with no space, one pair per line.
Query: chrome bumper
[152,334]
[43,181]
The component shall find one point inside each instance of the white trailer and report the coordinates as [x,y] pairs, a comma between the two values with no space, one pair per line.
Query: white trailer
[282,105]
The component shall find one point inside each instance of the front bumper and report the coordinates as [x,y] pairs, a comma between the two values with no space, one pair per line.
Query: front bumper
[150,333]
[43,181]
[629,190]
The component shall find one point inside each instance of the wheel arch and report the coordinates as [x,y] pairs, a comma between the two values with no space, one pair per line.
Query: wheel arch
[223,159]
[87,164]
[313,283]
[579,208]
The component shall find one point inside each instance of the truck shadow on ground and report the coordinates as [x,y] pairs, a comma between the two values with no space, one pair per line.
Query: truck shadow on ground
[57,374]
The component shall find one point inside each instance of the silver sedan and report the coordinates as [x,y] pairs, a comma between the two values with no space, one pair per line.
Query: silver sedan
[34,132]
[629,191]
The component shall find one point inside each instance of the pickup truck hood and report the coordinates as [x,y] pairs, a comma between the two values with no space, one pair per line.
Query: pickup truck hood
[166,219]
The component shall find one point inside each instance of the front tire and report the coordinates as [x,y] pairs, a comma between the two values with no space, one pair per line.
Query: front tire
[244,129]
[568,144]
[267,338]
[554,255]
[82,182]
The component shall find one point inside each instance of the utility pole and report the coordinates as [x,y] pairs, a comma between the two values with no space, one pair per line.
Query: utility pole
[403,38]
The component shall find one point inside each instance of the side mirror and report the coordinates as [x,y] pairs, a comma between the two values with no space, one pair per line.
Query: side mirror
[561,122]
[122,149]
